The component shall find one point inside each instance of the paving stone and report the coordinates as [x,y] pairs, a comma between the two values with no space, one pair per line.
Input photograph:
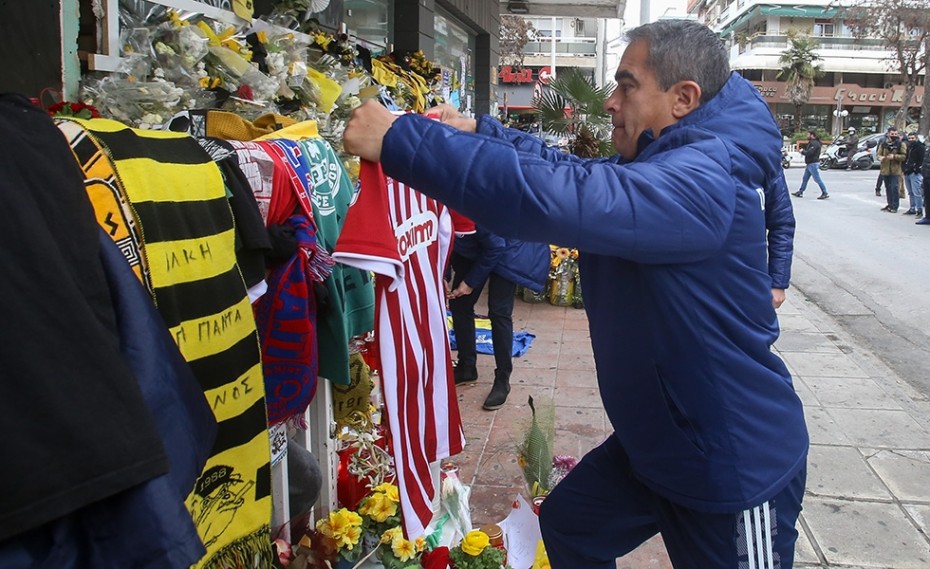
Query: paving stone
[803,550]
[805,342]
[809,364]
[852,392]
[842,472]
[865,534]
[795,323]
[907,473]
[921,514]
[880,428]
[804,392]
[822,428]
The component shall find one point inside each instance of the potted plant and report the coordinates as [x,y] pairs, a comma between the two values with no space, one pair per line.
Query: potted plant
[475,552]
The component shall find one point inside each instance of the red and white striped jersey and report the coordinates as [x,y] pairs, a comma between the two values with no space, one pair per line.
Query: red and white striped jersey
[405,238]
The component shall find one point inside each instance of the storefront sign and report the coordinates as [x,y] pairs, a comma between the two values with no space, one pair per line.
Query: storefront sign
[775,92]
[508,75]
[894,95]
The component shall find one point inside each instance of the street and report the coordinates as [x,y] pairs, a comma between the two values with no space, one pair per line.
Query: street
[868,269]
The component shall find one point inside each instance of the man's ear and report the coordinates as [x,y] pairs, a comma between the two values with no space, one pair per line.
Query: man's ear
[687,98]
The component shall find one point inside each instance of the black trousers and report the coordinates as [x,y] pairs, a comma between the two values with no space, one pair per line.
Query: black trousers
[500,311]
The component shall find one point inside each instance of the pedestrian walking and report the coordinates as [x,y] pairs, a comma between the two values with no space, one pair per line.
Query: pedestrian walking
[811,155]
[709,445]
[913,179]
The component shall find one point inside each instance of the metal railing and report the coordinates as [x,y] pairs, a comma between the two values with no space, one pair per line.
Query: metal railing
[571,46]
[773,41]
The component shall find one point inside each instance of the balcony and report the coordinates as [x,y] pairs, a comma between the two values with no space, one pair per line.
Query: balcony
[563,46]
[781,42]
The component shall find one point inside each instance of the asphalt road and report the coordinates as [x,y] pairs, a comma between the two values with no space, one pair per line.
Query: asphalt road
[868,269]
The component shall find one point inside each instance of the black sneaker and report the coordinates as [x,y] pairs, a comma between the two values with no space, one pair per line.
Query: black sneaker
[798,194]
[465,373]
[911,211]
[923,221]
[823,197]
[886,208]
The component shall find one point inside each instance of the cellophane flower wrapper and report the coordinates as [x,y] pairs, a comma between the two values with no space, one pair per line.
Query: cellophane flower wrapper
[453,502]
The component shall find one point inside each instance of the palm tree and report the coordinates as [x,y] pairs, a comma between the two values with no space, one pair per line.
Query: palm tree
[799,70]
[586,123]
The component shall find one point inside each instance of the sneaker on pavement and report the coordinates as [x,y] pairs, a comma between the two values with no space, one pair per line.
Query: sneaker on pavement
[798,194]
[911,211]
[886,208]
[823,197]
[923,221]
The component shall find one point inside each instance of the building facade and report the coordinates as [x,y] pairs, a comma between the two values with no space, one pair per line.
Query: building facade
[858,89]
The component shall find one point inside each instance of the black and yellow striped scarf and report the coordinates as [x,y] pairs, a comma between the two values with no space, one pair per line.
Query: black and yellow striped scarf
[179,214]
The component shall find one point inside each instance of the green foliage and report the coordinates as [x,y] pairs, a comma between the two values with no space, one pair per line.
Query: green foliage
[799,70]
[576,92]
[490,558]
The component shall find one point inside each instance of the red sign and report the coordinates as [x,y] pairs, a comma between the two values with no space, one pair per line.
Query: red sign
[545,74]
[508,75]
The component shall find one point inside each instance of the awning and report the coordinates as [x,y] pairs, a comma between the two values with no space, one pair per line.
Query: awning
[738,22]
[798,11]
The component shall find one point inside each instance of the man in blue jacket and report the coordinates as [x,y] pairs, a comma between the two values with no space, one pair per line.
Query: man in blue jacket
[709,445]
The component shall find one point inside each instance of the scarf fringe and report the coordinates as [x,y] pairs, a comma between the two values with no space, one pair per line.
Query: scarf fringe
[320,263]
[253,551]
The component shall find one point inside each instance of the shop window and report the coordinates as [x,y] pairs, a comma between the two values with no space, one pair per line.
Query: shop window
[454,52]
[368,20]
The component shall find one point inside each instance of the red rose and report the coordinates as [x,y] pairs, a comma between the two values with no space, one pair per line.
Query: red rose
[76,107]
[436,559]
[245,92]
[57,107]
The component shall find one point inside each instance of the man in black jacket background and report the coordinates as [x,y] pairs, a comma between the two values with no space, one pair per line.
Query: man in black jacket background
[811,155]
[912,177]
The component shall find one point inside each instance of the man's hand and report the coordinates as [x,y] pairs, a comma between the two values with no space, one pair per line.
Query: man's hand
[451,116]
[365,131]
[778,297]
[461,290]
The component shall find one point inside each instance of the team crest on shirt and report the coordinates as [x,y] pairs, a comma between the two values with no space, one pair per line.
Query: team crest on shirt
[415,233]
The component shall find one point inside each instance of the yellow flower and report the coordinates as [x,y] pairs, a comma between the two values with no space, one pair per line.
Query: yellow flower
[562,253]
[420,544]
[403,549]
[350,537]
[389,490]
[475,542]
[344,527]
[380,507]
[262,37]
[390,535]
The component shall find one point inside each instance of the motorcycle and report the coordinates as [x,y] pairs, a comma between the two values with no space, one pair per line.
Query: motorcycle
[785,159]
[836,156]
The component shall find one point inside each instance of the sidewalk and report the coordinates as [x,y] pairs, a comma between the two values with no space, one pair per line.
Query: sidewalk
[867,503]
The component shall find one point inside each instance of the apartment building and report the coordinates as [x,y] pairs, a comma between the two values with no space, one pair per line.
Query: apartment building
[859,87]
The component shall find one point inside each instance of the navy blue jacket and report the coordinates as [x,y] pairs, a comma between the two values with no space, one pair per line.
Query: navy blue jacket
[676,281]
[520,262]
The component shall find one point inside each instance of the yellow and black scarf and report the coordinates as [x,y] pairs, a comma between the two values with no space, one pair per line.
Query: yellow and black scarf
[163,193]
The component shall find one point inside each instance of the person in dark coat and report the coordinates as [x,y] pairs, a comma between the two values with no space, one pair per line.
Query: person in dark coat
[811,154]
[913,179]
[709,444]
